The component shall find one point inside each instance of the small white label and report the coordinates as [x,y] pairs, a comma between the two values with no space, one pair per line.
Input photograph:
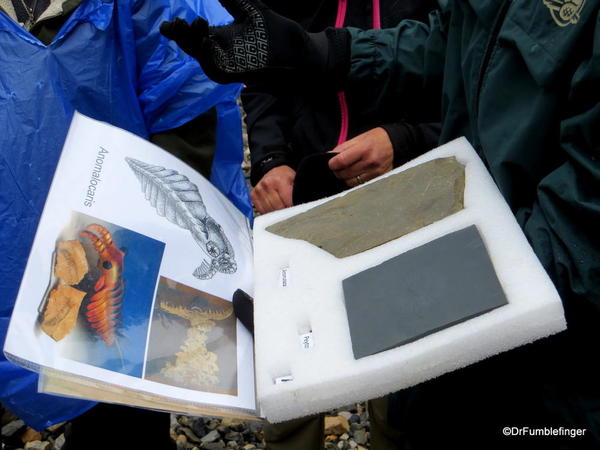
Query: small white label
[307,341]
[284,277]
[285,379]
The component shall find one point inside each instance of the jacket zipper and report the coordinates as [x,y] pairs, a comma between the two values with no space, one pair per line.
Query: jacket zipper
[339,22]
[490,50]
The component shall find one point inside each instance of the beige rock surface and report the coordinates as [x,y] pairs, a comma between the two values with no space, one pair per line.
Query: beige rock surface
[337,425]
[31,435]
[71,263]
[62,308]
[381,211]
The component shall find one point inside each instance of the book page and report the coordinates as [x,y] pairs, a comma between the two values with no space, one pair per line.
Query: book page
[131,275]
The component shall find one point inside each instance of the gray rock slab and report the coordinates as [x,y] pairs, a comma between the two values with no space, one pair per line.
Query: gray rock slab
[213,446]
[381,211]
[12,427]
[360,436]
[432,287]
[211,437]
[38,445]
[190,434]
[59,442]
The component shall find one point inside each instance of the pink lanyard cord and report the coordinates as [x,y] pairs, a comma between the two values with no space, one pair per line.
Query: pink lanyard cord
[341,13]
[376,15]
[339,22]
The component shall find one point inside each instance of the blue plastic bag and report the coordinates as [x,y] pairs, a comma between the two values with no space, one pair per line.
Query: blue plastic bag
[109,62]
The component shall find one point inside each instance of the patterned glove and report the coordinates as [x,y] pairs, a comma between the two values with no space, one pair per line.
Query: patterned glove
[258,44]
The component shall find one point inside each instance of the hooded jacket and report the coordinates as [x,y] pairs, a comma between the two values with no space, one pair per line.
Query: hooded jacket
[520,80]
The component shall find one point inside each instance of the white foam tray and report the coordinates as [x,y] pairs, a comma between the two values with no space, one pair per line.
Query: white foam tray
[327,375]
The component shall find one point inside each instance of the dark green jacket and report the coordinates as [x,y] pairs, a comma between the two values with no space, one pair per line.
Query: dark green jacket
[521,80]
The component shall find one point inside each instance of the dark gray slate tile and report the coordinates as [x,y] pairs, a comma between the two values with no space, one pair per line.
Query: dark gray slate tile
[432,287]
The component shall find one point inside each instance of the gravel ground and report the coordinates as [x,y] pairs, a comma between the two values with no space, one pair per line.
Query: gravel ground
[345,428]
[16,435]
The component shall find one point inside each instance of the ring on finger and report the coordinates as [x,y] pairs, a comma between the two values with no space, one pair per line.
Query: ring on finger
[359,179]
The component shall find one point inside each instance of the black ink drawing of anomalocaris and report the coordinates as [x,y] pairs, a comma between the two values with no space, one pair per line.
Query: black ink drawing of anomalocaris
[175,197]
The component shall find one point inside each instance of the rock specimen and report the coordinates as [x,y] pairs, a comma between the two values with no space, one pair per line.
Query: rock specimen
[381,211]
[62,308]
[71,263]
[439,284]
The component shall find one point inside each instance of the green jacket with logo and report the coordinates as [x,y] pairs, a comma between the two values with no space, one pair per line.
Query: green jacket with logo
[521,80]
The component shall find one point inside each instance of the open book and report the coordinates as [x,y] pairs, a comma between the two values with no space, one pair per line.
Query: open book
[130,278]
[126,297]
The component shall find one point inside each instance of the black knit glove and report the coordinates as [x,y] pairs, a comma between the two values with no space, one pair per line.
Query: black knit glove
[258,44]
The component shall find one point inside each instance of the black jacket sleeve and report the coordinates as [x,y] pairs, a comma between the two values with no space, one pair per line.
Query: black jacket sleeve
[411,140]
[268,124]
[268,118]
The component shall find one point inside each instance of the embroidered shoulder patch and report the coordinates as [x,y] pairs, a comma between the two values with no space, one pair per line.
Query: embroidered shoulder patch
[565,12]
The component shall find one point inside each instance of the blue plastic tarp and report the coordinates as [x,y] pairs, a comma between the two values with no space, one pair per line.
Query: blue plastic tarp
[110,63]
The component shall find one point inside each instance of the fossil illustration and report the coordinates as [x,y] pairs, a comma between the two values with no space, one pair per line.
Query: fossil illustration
[104,305]
[194,363]
[175,197]
[61,306]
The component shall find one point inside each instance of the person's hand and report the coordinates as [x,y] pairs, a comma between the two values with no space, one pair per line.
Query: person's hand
[274,190]
[363,158]
[258,40]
